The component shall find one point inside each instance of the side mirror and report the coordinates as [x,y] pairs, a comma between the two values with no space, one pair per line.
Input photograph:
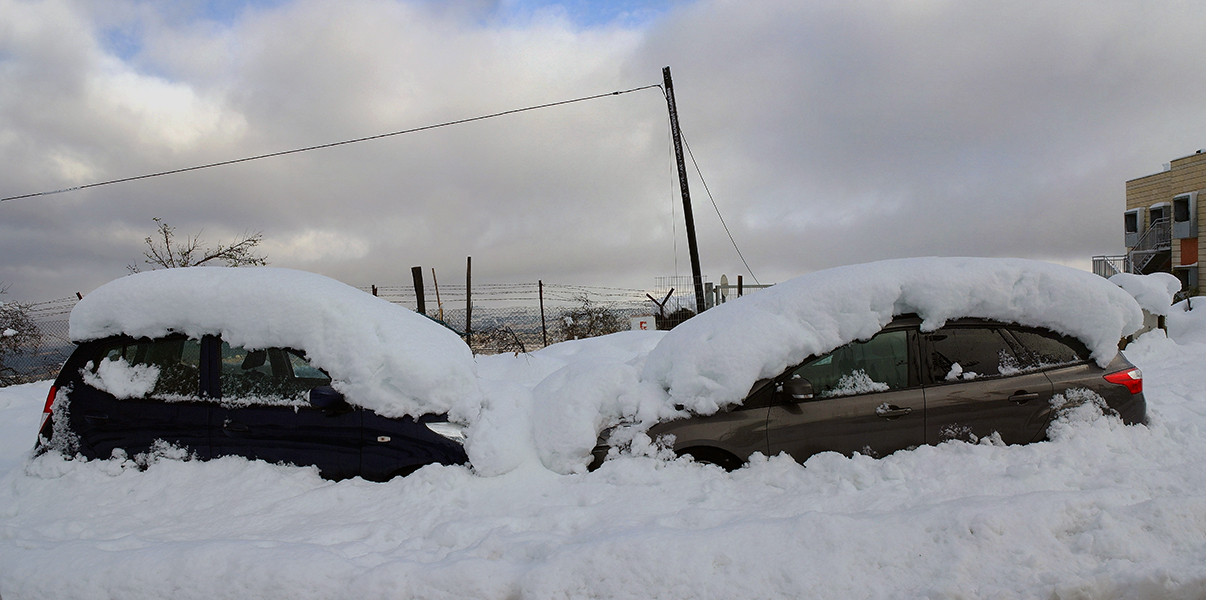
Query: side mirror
[796,388]
[326,397]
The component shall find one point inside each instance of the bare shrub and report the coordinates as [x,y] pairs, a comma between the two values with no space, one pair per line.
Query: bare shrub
[589,319]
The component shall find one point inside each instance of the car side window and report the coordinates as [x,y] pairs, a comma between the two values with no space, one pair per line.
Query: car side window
[1045,349]
[167,369]
[875,365]
[966,353]
[270,376]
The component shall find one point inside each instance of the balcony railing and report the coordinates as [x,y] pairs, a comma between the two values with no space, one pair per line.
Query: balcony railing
[1109,266]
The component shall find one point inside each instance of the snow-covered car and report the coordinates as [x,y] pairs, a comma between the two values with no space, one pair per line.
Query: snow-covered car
[888,356]
[270,364]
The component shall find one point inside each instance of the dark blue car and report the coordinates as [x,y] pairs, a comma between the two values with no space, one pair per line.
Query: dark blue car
[208,399]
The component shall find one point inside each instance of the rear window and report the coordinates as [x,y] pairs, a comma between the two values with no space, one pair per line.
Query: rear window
[966,353]
[167,369]
[1045,349]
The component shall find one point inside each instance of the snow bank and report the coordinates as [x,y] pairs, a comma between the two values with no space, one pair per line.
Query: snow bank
[380,355]
[547,407]
[714,358]
[1153,292]
[1187,321]
[1103,511]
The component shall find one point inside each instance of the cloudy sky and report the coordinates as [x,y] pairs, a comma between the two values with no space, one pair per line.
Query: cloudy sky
[828,132]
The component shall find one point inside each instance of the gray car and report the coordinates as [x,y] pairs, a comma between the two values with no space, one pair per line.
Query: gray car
[902,388]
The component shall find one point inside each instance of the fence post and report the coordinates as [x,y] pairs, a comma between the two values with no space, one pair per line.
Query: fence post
[739,286]
[469,301]
[544,328]
[416,274]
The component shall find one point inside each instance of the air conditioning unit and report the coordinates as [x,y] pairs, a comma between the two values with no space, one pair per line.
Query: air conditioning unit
[1185,216]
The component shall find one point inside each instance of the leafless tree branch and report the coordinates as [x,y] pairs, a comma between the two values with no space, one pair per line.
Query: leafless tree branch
[164,251]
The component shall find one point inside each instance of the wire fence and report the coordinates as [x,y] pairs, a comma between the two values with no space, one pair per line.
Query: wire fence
[520,317]
[40,358]
[491,318]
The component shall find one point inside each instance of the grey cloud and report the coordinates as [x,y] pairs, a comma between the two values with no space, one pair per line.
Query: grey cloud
[830,133]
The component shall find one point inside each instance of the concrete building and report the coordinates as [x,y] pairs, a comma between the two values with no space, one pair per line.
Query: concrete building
[1161,228]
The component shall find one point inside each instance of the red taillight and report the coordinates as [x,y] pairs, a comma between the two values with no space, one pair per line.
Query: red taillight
[49,404]
[1131,378]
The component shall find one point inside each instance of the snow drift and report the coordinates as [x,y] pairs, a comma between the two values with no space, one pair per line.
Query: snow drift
[1153,292]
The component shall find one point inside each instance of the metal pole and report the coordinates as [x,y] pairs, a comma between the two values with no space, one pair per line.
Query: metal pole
[544,328]
[439,303]
[692,246]
[469,300]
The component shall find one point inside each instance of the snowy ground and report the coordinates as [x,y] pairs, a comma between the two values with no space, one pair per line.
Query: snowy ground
[1102,511]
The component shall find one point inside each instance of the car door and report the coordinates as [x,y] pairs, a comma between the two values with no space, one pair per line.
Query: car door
[398,446]
[861,398]
[264,413]
[1066,363]
[139,394]
[978,386]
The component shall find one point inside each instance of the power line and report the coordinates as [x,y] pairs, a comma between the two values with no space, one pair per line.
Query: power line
[725,225]
[714,206]
[330,145]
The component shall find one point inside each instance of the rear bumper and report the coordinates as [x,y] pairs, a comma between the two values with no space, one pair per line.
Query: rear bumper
[1133,412]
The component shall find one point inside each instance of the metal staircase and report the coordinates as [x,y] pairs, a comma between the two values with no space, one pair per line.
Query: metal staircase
[1152,253]
[1154,250]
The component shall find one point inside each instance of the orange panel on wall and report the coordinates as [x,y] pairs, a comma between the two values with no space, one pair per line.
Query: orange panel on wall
[1189,251]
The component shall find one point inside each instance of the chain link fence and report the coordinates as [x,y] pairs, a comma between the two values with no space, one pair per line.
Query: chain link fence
[523,317]
[509,317]
[40,358]
[504,318]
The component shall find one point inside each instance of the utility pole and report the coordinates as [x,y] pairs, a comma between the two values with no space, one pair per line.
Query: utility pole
[692,246]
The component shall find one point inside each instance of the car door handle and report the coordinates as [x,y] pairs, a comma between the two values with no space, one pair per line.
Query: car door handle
[1023,397]
[234,428]
[94,418]
[891,411]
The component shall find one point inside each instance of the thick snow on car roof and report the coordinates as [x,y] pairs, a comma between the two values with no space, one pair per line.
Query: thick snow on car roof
[381,356]
[714,358]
